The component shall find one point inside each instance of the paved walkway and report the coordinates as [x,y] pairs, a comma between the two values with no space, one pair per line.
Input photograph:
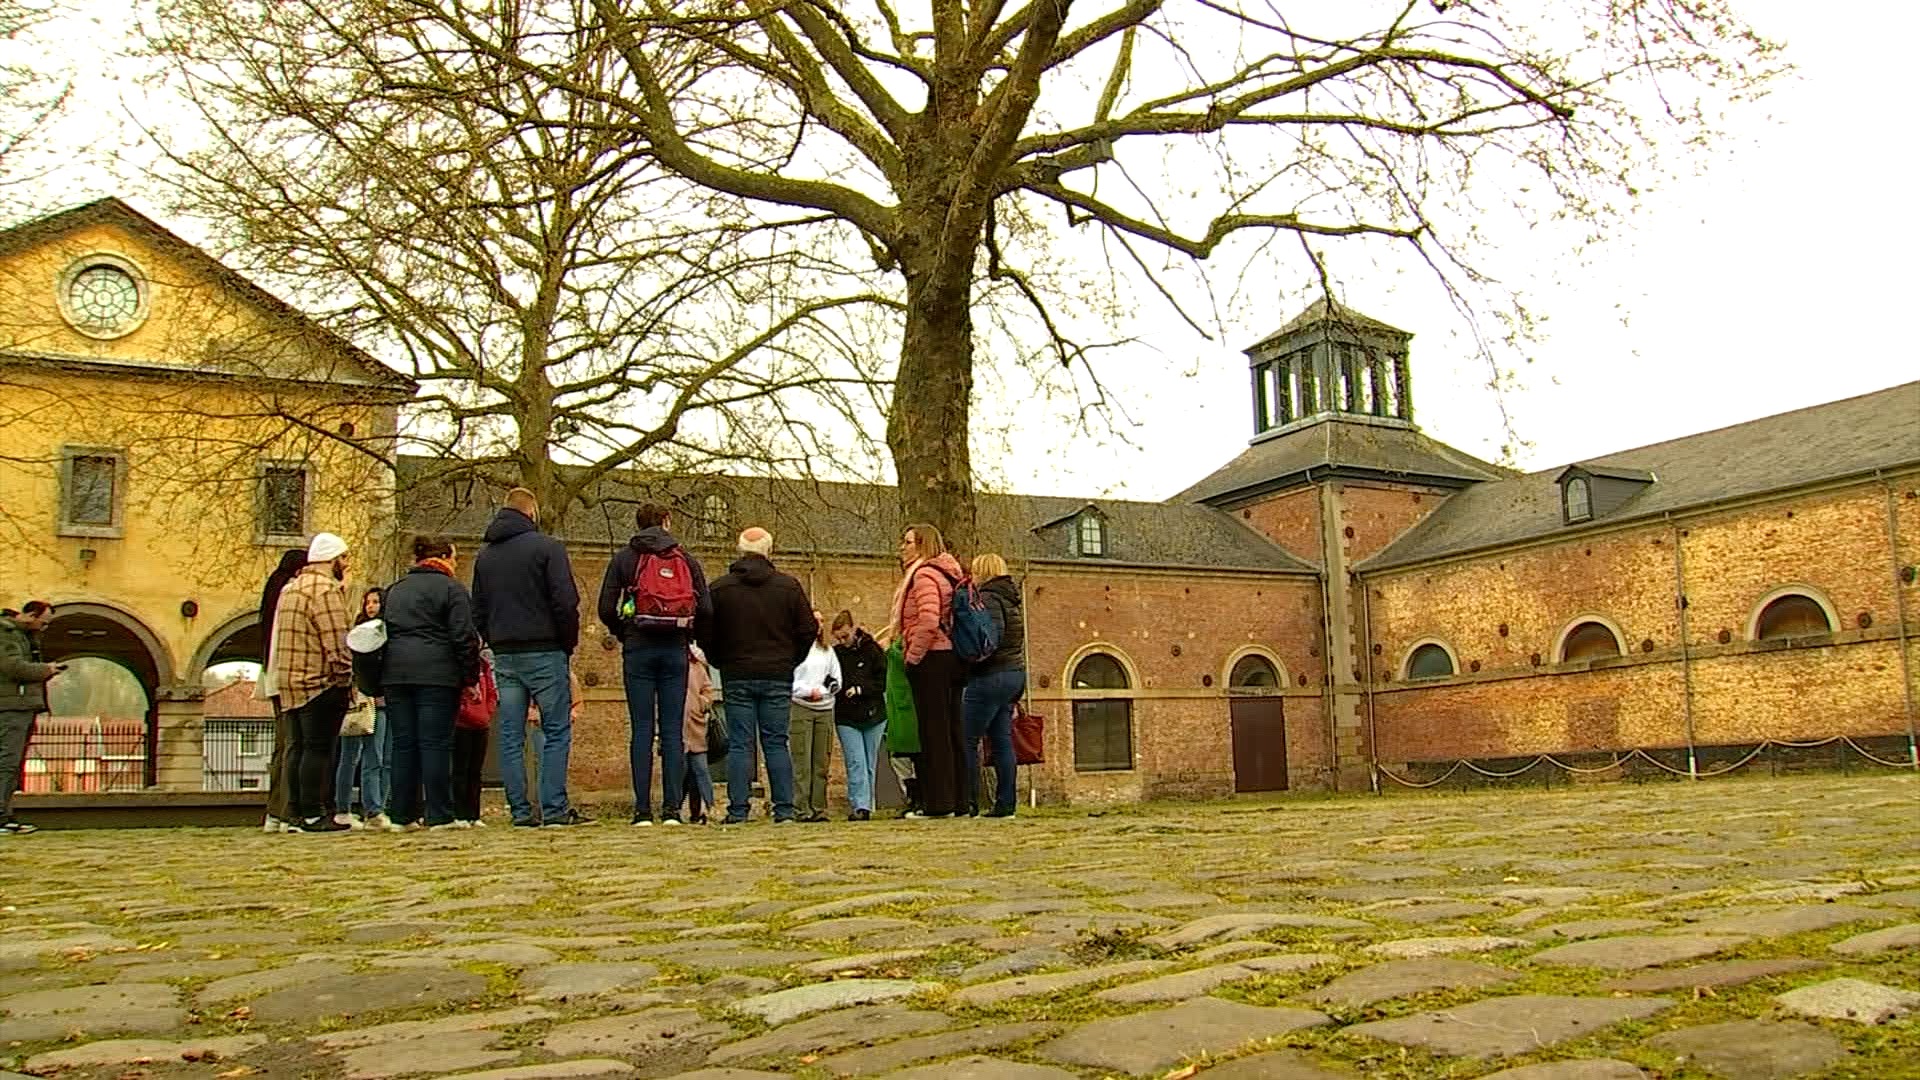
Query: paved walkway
[1745,928]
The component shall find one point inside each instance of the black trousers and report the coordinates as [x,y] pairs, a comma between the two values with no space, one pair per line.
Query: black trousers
[316,730]
[469,761]
[937,683]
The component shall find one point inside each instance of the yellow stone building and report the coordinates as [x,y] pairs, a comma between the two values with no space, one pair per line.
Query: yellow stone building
[167,429]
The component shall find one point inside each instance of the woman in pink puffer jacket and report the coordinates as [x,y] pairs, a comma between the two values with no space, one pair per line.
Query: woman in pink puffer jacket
[921,608]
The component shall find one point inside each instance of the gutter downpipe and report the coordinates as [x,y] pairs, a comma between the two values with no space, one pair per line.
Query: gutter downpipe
[1366,661]
[1686,644]
[1900,618]
[1327,709]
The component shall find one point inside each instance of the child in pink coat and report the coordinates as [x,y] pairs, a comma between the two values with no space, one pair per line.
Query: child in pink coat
[700,697]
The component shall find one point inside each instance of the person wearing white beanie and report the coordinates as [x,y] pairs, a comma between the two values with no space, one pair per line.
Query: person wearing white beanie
[313,671]
[325,548]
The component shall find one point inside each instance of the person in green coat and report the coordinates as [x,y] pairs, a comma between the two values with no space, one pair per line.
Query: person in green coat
[903,726]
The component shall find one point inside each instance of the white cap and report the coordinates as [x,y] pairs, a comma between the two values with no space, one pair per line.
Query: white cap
[326,547]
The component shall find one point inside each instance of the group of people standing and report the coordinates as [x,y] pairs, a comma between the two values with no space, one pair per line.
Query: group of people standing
[435,643]
[408,690]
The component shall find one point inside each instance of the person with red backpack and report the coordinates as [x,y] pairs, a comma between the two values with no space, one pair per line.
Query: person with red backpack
[655,601]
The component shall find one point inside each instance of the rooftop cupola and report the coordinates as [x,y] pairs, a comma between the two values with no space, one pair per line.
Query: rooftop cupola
[1330,362]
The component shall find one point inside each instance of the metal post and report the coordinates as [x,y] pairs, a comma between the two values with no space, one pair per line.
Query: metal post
[1900,620]
[1686,645]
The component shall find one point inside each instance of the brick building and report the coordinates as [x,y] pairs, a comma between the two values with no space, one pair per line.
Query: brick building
[1350,600]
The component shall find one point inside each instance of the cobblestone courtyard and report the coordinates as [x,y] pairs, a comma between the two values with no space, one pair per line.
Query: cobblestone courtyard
[1745,928]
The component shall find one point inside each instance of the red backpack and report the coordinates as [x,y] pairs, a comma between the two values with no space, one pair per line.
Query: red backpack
[661,596]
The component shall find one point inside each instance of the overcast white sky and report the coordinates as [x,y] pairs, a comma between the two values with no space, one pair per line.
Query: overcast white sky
[1773,281]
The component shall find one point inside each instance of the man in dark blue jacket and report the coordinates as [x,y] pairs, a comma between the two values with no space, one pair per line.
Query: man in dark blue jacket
[654,619]
[528,610]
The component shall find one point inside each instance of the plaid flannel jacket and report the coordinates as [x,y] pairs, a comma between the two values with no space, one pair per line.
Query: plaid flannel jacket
[310,647]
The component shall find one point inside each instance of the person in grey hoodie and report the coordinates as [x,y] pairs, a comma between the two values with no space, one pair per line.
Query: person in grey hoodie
[655,601]
[986,705]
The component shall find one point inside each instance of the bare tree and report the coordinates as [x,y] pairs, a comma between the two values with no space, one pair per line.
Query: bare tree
[32,89]
[947,137]
[562,301]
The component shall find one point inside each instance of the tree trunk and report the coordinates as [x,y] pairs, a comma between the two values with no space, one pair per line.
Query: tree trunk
[932,399]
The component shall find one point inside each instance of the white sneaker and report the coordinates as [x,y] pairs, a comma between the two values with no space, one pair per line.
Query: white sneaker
[379,822]
[915,815]
[447,825]
[343,819]
[476,823]
[273,825]
[643,823]
[670,821]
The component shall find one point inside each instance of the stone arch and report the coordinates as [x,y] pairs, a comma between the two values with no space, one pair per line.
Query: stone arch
[230,640]
[1800,589]
[1406,661]
[1588,619]
[1134,681]
[1261,651]
[87,628]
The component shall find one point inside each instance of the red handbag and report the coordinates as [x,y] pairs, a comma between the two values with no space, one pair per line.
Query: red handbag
[1029,736]
[1029,739]
[479,702]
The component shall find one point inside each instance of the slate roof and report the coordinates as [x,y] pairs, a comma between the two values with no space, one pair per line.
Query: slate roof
[370,371]
[821,518]
[1387,451]
[1821,443]
[1327,309]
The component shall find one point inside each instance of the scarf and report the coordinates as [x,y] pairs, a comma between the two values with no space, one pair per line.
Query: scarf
[898,617]
[445,566]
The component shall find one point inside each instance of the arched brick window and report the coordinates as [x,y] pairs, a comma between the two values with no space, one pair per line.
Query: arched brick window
[1253,672]
[1791,615]
[1430,660]
[1589,641]
[1102,714]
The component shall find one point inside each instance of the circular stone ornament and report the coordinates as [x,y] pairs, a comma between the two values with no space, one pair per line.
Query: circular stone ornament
[103,295]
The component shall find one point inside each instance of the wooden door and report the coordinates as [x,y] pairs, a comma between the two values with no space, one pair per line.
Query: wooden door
[1259,744]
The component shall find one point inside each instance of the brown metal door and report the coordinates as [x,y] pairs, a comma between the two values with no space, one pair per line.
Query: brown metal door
[1259,744]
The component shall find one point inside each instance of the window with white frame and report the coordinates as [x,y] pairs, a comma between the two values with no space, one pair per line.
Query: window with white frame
[1091,538]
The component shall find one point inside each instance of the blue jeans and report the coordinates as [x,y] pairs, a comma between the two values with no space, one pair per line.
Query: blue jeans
[986,708]
[861,749]
[370,753]
[698,783]
[655,671]
[758,705]
[422,722]
[540,677]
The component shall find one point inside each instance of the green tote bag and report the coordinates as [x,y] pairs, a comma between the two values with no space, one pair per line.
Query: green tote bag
[903,726]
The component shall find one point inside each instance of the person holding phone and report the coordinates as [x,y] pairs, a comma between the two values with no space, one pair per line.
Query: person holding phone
[23,697]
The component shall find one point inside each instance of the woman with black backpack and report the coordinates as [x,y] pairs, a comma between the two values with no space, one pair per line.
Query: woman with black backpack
[859,710]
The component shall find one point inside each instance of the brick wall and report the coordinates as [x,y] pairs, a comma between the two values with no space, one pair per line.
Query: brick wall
[1373,516]
[1742,691]
[1291,520]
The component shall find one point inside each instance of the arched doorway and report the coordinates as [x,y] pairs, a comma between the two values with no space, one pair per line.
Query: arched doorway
[103,711]
[1257,713]
[236,735]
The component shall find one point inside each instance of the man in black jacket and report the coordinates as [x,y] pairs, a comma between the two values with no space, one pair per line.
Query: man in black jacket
[762,628]
[654,622]
[527,607]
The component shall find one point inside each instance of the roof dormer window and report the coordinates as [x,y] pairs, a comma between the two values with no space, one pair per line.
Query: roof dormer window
[1090,536]
[1576,495]
[1595,491]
